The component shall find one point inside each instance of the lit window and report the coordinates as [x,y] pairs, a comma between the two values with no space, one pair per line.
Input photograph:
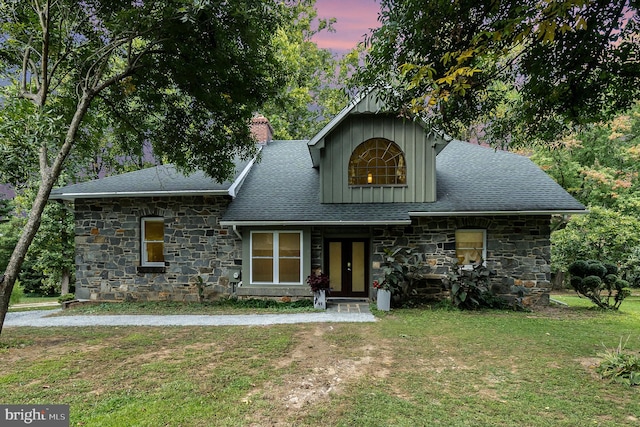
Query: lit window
[470,246]
[377,161]
[153,242]
[276,257]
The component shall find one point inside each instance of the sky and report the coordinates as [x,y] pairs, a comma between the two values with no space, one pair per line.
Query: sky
[354,19]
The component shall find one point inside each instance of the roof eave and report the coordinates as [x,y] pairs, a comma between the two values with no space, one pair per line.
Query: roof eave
[312,222]
[121,194]
[503,213]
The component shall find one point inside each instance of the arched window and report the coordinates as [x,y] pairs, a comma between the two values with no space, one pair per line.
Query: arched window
[377,161]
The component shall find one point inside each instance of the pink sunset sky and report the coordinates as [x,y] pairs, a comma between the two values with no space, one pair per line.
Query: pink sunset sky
[355,18]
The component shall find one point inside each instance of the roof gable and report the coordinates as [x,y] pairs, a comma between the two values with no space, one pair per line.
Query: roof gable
[367,103]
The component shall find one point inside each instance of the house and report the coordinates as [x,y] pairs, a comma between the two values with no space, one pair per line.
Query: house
[369,180]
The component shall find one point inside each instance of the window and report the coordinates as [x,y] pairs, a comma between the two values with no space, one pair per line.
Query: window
[153,242]
[470,246]
[377,161]
[276,257]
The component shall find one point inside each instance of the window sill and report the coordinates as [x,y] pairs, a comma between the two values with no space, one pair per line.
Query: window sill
[149,269]
[377,185]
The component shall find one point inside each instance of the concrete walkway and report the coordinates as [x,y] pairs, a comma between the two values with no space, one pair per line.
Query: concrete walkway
[342,312]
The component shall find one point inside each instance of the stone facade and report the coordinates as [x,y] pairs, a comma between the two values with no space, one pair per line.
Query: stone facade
[197,250]
[518,249]
[199,253]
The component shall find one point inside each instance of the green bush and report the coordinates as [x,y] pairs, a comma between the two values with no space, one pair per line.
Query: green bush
[66,297]
[404,268]
[602,234]
[630,267]
[599,282]
[470,289]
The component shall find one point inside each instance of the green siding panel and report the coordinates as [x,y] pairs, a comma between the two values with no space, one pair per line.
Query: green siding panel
[418,148]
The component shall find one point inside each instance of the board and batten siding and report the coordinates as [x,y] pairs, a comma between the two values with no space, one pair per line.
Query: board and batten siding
[415,143]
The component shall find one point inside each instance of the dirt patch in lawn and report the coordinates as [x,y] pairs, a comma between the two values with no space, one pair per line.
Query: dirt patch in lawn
[315,368]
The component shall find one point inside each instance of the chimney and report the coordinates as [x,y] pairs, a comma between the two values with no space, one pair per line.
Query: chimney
[261,129]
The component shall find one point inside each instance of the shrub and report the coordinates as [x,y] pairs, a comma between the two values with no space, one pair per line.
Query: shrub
[470,288]
[630,267]
[404,269]
[66,297]
[599,282]
[602,234]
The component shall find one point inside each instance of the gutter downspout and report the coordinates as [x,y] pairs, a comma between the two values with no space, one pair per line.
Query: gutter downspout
[236,232]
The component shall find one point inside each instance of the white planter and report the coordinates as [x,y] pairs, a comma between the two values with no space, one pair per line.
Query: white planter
[384,300]
[320,300]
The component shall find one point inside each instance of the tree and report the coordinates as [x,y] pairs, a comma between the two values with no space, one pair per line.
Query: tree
[600,164]
[602,234]
[185,75]
[314,89]
[527,70]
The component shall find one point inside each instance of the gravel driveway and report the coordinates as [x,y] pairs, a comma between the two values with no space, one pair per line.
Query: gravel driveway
[39,318]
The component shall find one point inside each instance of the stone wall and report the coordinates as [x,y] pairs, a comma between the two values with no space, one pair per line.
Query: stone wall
[108,249]
[518,249]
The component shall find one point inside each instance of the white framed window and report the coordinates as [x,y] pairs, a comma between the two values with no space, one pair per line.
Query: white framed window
[471,246]
[276,257]
[152,244]
[377,162]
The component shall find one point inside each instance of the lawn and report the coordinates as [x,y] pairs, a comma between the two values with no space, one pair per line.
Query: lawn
[411,368]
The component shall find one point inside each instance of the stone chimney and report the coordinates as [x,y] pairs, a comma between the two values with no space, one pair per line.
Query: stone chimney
[261,129]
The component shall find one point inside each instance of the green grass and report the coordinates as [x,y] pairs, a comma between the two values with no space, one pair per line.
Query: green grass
[32,299]
[18,304]
[411,368]
[222,306]
[630,304]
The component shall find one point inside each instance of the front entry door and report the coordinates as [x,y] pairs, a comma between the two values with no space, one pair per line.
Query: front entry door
[347,264]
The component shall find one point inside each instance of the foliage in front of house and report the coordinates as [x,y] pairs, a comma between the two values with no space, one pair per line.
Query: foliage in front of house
[404,269]
[599,282]
[318,282]
[470,288]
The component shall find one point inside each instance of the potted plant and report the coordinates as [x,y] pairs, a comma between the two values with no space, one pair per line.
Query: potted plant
[383,295]
[319,284]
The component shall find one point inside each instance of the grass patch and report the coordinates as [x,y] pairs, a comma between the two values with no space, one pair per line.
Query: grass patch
[33,298]
[222,306]
[630,305]
[426,367]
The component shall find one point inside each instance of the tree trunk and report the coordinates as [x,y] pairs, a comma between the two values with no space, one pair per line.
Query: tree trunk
[49,176]
[20,251]
[64,282]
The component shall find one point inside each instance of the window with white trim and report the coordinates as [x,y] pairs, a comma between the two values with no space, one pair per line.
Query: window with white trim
[376,162]
[276,257]
[152,242]
[471,246]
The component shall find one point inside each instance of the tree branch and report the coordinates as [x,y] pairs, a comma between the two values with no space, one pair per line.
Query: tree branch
[45,21]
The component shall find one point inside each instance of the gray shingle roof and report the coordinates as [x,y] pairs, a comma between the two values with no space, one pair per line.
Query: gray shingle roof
[283,187]
[471,180]
[163,180]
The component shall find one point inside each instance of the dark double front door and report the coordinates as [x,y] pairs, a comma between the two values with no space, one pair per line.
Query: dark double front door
[347,261]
